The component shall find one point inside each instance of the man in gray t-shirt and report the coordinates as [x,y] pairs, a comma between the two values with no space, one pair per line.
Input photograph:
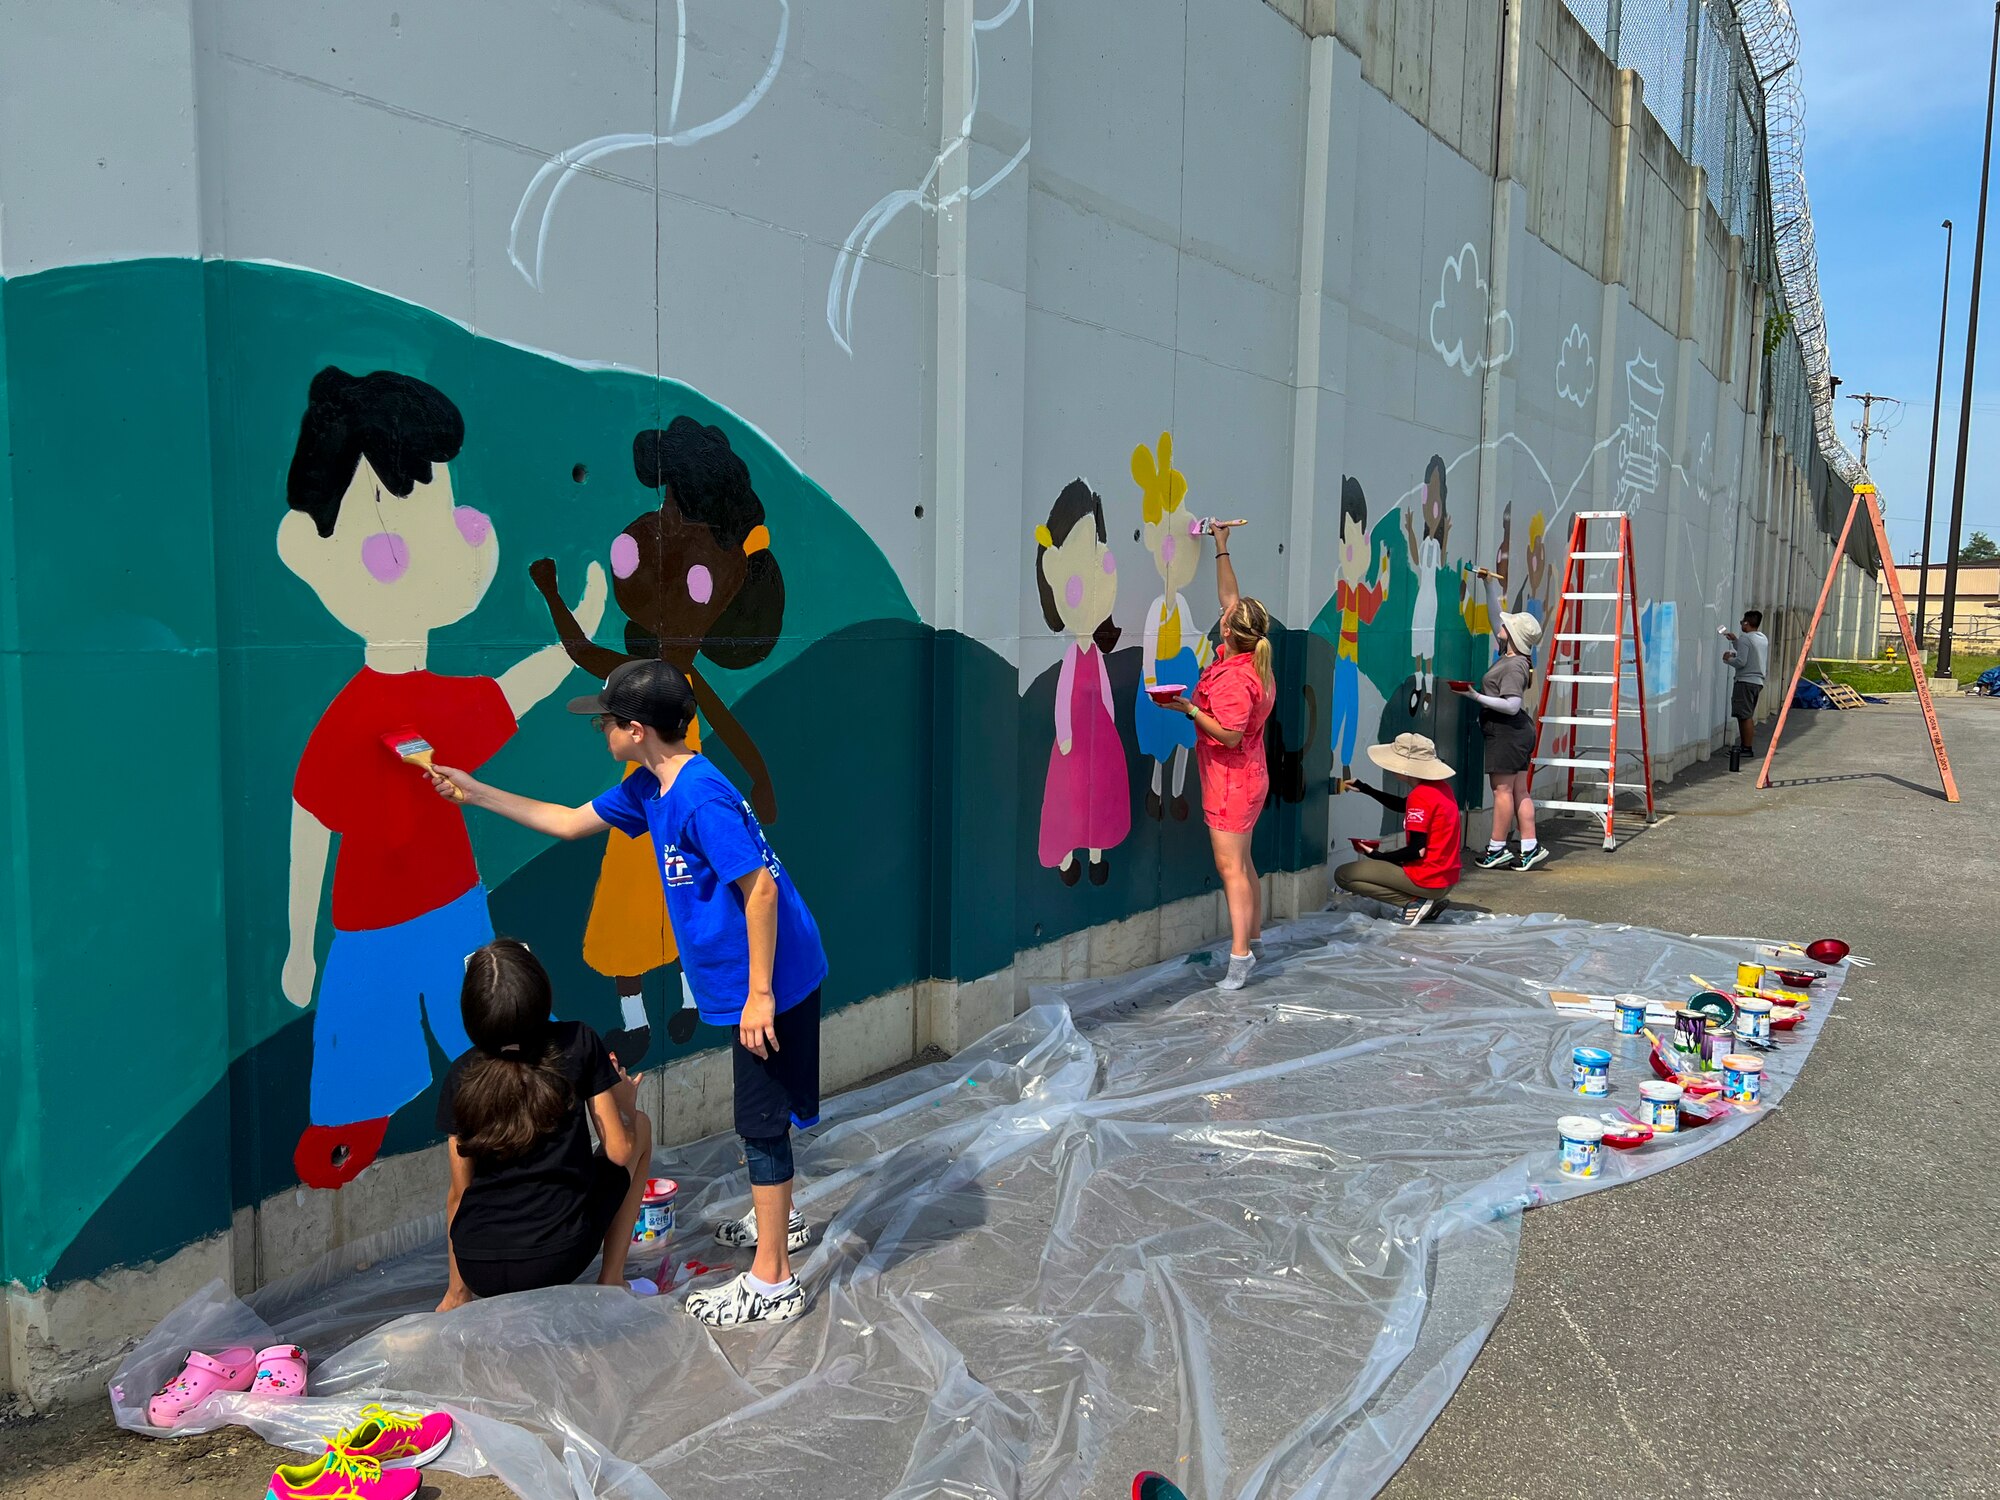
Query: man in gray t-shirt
[1749,651]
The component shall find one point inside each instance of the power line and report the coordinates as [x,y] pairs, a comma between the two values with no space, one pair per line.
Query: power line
[1868,425]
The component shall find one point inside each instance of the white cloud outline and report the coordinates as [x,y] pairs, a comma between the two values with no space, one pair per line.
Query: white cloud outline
[1455,354]
[1566,389]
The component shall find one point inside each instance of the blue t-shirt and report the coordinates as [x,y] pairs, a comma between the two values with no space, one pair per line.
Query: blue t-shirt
[707,839]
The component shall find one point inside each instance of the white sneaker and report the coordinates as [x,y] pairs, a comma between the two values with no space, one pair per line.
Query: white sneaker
[737,1233]
[1240,965]
[736,1302]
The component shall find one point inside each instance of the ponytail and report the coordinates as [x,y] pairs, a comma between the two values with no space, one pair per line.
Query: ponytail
[1249,628]
[1263,659]
[513,1091]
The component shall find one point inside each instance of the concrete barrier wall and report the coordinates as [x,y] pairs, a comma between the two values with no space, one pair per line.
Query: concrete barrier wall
[989,302]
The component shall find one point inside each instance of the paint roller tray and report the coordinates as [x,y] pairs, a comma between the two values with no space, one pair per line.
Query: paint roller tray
[1624,1135]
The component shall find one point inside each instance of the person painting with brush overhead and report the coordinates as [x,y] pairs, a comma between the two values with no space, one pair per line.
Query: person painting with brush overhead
[750,947]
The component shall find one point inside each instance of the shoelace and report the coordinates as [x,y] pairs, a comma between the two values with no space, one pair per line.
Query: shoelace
[390,1421]
[352,1467]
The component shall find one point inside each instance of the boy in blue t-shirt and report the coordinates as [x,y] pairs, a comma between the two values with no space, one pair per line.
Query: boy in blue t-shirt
[749,949]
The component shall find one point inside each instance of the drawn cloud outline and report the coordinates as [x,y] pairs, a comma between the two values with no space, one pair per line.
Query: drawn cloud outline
[1578,393]
[1454,352]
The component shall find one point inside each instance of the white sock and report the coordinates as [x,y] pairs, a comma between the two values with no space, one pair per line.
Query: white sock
[1494,846]
[1527,846]
[633,1008]
[1237,958]
[765,1288]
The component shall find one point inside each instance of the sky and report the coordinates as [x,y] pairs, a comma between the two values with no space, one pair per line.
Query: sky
[1895,117]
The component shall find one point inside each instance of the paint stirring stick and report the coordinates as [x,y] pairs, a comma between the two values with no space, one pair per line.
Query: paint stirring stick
[413,749]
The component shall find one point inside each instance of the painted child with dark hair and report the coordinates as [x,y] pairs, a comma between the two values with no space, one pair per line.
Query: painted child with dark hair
[1086,803]
[1358,602]
[1427,552]
[375,529]
[695,577]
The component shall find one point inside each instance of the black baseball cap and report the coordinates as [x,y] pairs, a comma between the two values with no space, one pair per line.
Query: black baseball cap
[653,693]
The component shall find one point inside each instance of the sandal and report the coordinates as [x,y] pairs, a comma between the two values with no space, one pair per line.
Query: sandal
[281,1371]
[203,1375]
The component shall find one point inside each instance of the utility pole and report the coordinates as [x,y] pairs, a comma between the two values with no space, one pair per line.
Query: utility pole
[1971,353]
[1867,421]
[1937,412]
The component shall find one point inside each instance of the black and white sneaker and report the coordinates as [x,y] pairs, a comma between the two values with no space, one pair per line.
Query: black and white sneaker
[1538,855]
[739,1233]
[1421,911]
[736,1302]
[1494,859]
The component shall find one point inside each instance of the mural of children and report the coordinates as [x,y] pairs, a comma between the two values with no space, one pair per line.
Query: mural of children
[1532,597]
[1358,601]
[695,577]
[374,530]
[1427,560]
[1169,655]
[1472,605]
[1084,801]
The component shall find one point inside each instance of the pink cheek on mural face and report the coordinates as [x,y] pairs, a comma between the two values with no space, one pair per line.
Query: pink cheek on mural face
[474,525]
[386,556]
[1110,563]
[624,556]
[1073,591]
[701,584]
[1167,550]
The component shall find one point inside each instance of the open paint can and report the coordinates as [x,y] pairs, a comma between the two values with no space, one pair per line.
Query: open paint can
[1631,1014]
[656,1211]
[1749,976]
[1590,1071]
[1743,1079]
[1580,1141]
[1753,1020]
[1660,1105]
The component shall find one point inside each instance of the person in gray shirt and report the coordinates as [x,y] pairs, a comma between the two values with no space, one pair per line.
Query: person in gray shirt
[1749,651]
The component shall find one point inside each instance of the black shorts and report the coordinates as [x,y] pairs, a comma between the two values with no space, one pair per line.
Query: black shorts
[1510,741]
[1743,701]
[777,1092]
[495,1278]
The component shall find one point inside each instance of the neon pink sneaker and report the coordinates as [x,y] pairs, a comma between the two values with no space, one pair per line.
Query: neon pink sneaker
[397,1439]
[339,1475]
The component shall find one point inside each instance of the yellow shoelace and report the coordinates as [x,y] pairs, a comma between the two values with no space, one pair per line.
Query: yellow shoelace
[350,1466]
[381,1416]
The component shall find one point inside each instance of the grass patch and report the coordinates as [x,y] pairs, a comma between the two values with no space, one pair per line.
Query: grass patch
[1894,676]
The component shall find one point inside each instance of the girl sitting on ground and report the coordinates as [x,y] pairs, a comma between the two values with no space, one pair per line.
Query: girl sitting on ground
[531,1204]
[1417,877]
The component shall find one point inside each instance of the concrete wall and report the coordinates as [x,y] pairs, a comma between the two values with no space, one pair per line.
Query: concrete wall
[922,267]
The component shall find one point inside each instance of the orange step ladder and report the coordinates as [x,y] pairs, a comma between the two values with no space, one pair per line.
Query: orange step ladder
[1583,585]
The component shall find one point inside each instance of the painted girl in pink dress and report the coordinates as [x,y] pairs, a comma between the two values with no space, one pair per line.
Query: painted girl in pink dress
[1086,803]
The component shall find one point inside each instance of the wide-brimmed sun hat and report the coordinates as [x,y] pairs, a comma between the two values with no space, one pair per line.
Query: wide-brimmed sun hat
[1524,630]
[1411,755]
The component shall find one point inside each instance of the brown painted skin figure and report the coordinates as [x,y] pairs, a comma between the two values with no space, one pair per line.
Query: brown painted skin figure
[695,577]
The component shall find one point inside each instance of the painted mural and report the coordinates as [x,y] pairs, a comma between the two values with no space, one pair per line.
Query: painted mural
[1174,651]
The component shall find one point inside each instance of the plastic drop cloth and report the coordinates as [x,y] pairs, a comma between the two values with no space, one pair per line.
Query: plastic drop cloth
[1253,1241]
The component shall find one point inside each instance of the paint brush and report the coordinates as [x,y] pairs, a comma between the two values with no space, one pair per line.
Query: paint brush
[413,749]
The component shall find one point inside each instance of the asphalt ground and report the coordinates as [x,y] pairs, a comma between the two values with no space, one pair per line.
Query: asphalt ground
[1808,1310]
[1811,1309]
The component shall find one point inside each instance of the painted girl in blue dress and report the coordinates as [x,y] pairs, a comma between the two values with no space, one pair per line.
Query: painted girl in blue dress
[1175,650]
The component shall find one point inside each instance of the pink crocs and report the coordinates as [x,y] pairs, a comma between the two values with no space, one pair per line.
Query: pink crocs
[203,1375]
[281,1371]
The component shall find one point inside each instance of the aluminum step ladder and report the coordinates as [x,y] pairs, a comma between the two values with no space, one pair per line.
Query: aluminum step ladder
[1579,660]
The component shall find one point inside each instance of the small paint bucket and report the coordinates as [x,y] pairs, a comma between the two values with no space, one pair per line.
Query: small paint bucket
[1749,976]
[1590,1071]
[1690,1033]
[1743,1078]
[1714,1047]
[1631,1014]
[1660,1105]
[656,1211]
[1580,1142]
[1753,1020]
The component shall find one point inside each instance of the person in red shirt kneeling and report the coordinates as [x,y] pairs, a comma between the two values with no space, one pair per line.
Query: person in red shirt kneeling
[1418,876]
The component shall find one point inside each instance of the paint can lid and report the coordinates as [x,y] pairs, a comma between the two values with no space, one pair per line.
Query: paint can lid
[1630,1002]
[1743,1062]
[661,1187]
[1591,1057]
[1663,1090]
[1580,1128]
[1753,1004]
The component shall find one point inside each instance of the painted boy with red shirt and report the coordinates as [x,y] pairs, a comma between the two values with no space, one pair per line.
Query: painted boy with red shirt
[1417,877]
[374,530]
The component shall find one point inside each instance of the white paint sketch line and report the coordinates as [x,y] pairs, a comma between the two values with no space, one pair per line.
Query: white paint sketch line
[847,268]
[565,166]
[1452,345]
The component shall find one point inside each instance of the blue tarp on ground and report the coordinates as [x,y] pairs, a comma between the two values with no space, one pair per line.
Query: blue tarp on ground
[1253,1241]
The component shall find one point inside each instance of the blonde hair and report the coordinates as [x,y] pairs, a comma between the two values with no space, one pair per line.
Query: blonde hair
[1248,627]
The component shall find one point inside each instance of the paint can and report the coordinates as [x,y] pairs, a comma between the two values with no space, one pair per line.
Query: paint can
[1743,1079]
[1753,1020]
[1580,1142]
[1749,976]
[1631,1014]
[656,1211]
[1691,1035]
[1660,1105]
[1590,1071]
[1714,1047]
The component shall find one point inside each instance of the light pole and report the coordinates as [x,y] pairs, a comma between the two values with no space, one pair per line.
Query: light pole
[1937,411]
[1971,352]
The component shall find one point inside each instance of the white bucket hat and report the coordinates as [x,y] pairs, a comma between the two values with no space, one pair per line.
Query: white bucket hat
[1411,755]
[1524,630]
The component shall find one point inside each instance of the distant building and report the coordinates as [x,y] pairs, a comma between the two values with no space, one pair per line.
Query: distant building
[1975,622]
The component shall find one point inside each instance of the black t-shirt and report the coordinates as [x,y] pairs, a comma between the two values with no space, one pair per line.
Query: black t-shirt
[532,1205]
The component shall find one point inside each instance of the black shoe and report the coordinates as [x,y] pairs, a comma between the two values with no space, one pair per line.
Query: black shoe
[1071,873]
[629,1047]
[1100,871]
[1180,808]
[1538,855]
[1155,809]
[681,1025]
